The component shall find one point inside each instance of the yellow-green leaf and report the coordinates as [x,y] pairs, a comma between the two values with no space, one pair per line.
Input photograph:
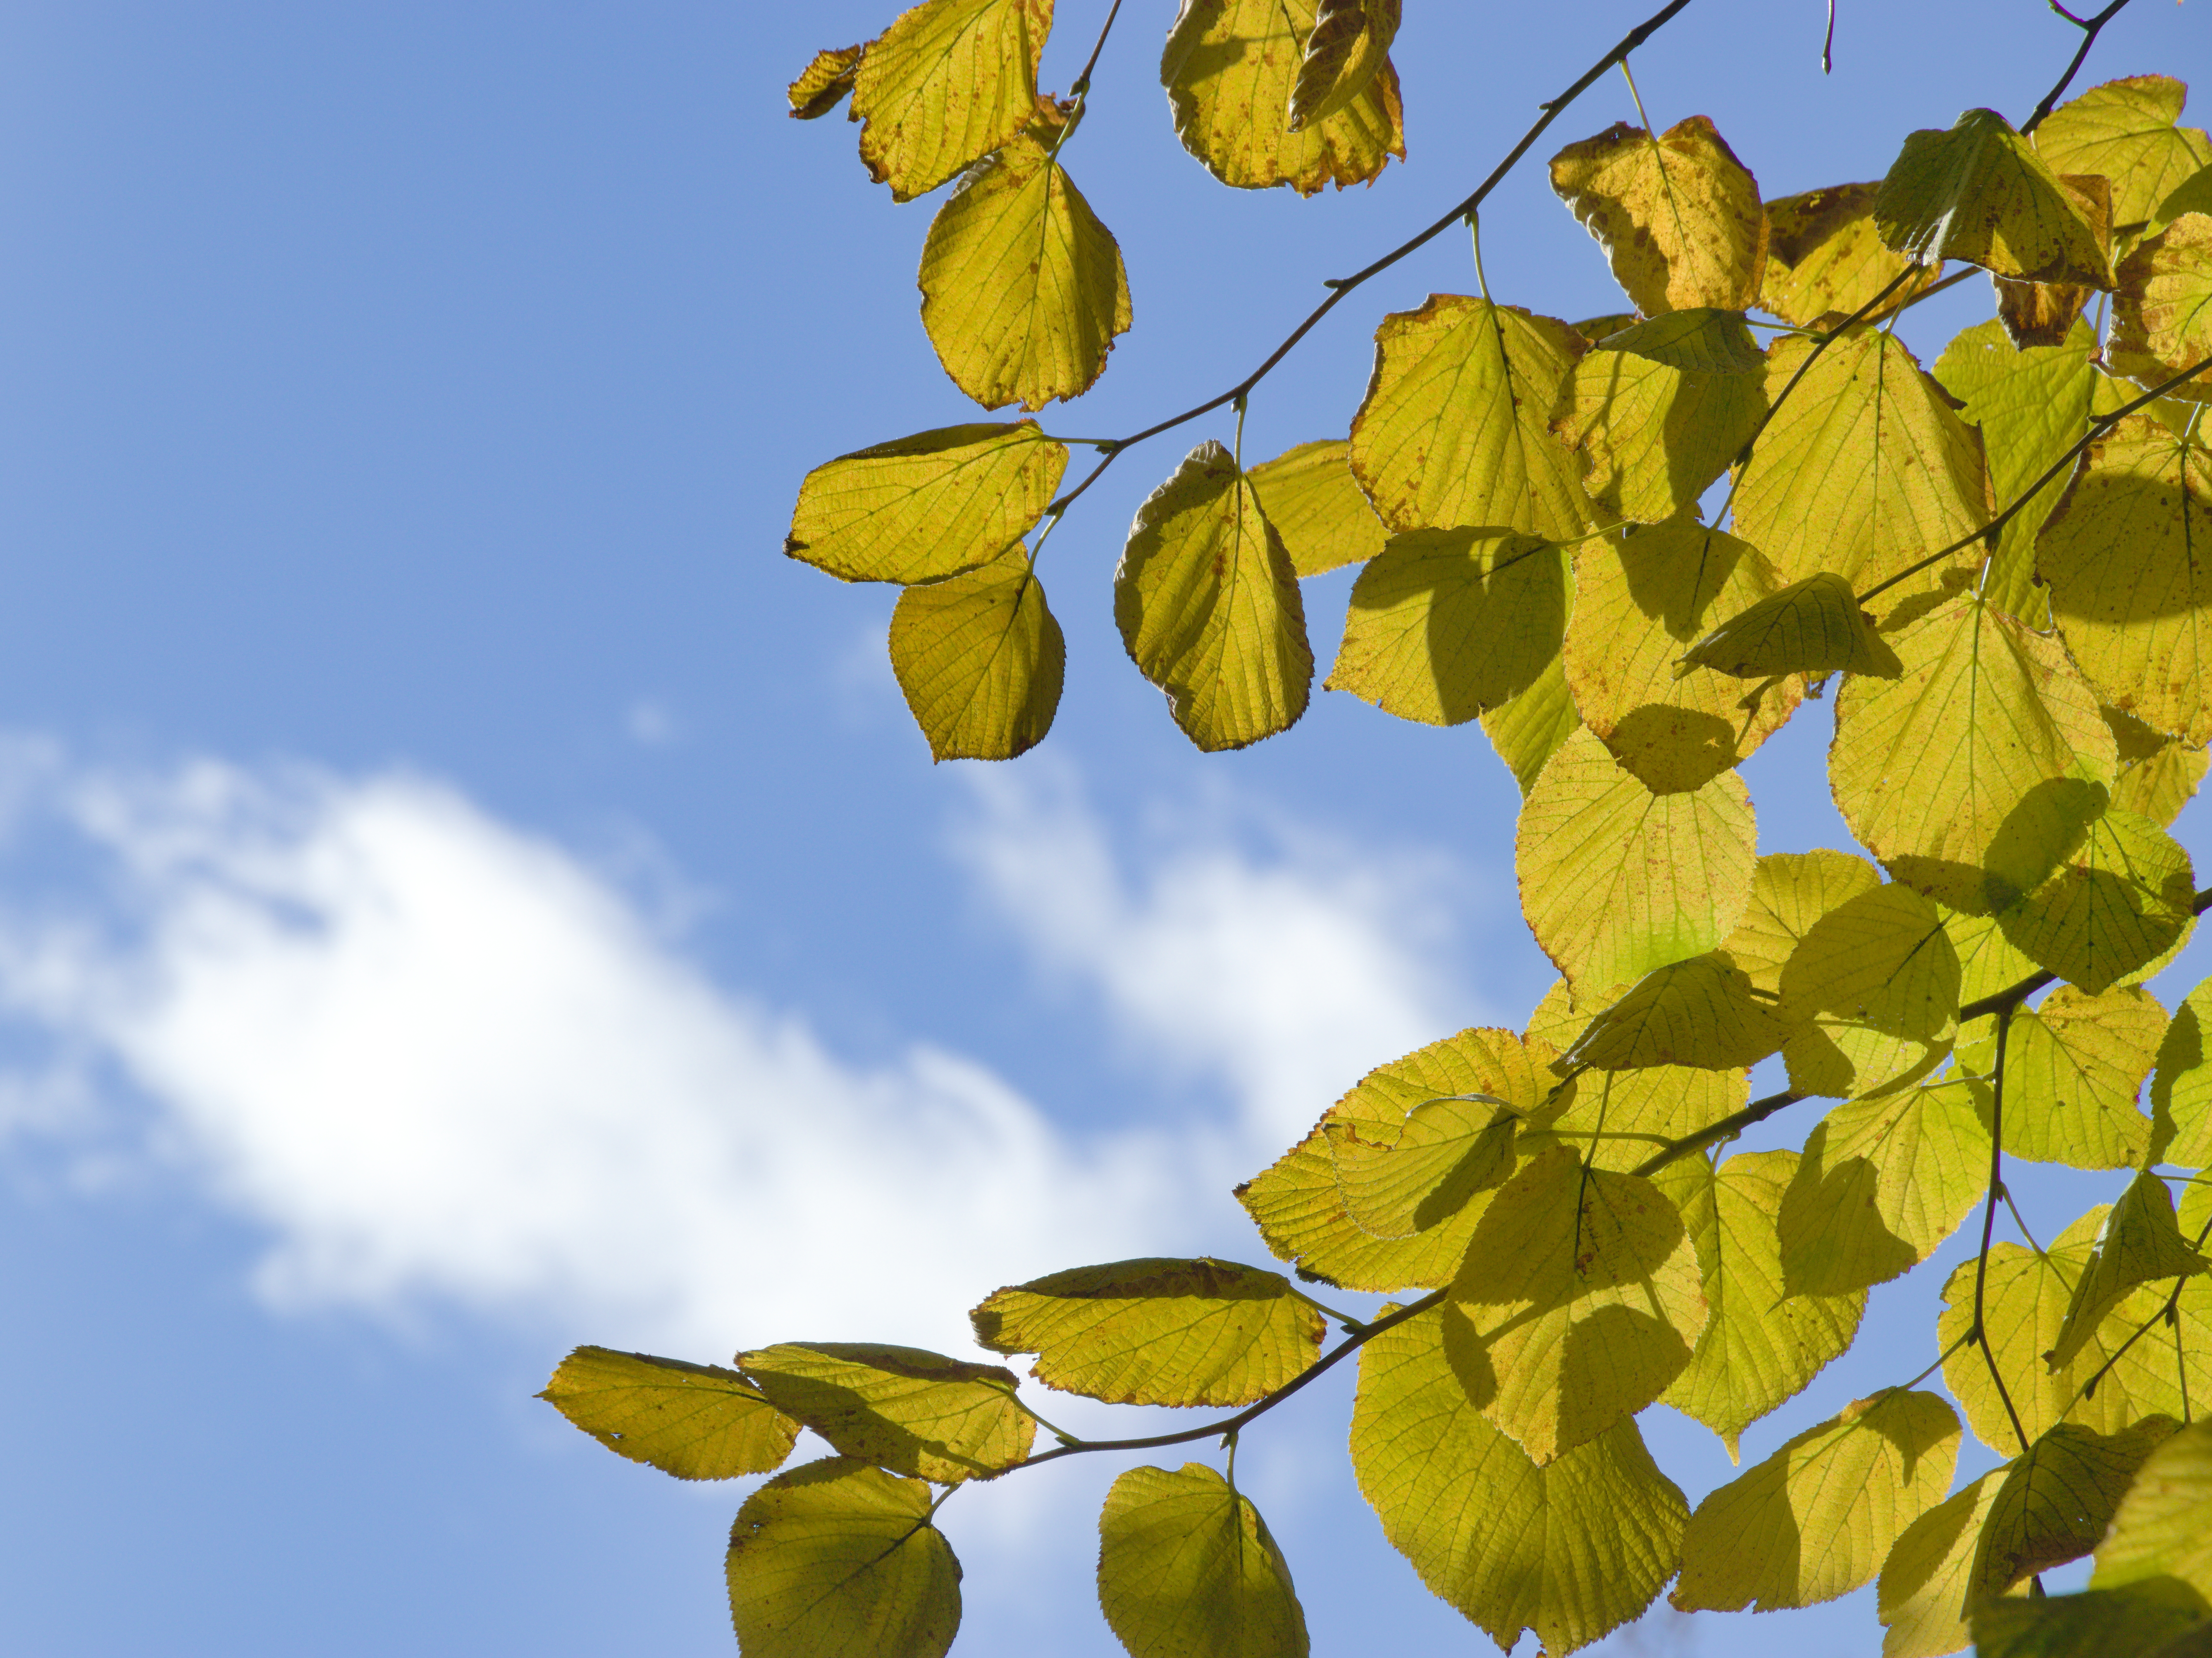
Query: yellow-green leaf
[926,507]
[1922,1595]
[1865,469]
[1396,1184]
[1023,289]
[1652,435]
[1347,48]
[2160,1530]
[948,81]
[823,84]
[1618,1119]
[1988,962]
[1208,606]
[1454,429]
[2126,130]
[838,1558]
[1824,256]
[1980,193]
[2192,195]
[1812,626]
[1526,729]
[1848,1058]
[2141,1242]
[1760,1346]
[2181,1091]
[2159,774]
[2042,313]
[1789,891]
[1700,1013]
[980,659]
[1678,215]
[2117,902]
[1230,67]
[1817,1518]
[2159,1618]
[914,1413]
[2074,1066]
[1309,495]
[1882,957]
[2057,1499]
[1577,1303]
[1573,1550]
[695,1421]
[1156,1331]
[1188,1570]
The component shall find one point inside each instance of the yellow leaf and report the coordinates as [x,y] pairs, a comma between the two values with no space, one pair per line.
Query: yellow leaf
[2072,1068]
[1700,1013]
[695,1421]
[836,1556]
[1824,256]
[1230,67]
[948,81]
[2160,1530]
[1882,957]
[2057,1499]
[1931,768]
[1882,1182]
[1987,961]
[1679,216]
[1865,469]
[914,1413]
[2192,195]
[1922,1596]
[1817,1518]
[1573,1550]
[2118,901]
[1446,624]
[1526,729]
[1454,429]
[2042,313]
[1156,1331]
[1576,1305]
[1652,436]
[1618,1119]
[2159,774]
[1812,626]
[928,507]
[1760,1346]
[2181,1092]
[981,659]
[1980,193]
[1789,891]
[1186,1570]
[1022,291]
[1208,606]
[1848,1058]
[1347,48]
[1701,340]
[1396,1184]
[823,84]
[2140,1243]
[1309,495]
[2126,130]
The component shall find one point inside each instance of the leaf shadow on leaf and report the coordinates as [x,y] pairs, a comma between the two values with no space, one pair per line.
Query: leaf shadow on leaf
[2047,827]
[2126,499]
[1672,750]
[2179,1052]
[1455,617]
[1837,1206]
[1594,1347]
[1685,429]
[829,1409]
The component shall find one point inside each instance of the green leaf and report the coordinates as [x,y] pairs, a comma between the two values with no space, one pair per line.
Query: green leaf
[1922,1595]
[1208,606]
[1790,892]
[924,507]
[2192,195]
[1156,1331]
[1988,962]
[1348,47]
[2073,1067]
[1573,1550]
[1528,728]
[981,659]
[1576,1305]
[1616,880]
[2056,1501]
[1882,957]
[2159,774]
[2140,1243]
[837,1559]
[1396,1184]
[695,1421]
[823,84]
[2156,1619]
[1023,289]
[948,81]
[1678,215]
[1817,1518]
[2160,1530]
[1653,436]
[1824,256]
[1454,429]
[2127,130]
[1812,626]
[1700,1013]
[1446,624]
[914,1413]
[1980,193]
[1308,493]
[1186,1570]
[1760,1346]
[2181,1091]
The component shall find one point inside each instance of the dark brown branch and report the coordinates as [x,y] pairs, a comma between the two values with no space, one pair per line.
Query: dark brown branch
[1989,1221]
[2090,27]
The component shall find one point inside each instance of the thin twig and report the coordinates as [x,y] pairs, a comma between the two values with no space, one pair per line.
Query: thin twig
[1082,83]
[1980,1331]
[2090,27]
[1727,1128]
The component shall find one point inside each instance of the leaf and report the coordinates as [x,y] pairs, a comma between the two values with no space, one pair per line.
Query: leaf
[1573,1549]
[836,1557]
[695,1421]
[1922,1595]
[1816,1519]
[1848,1058]
[2042,313]
[1789,891]
[1700,1013]
[1655,436]
[1528,728]
[1156,1331]
[1023,289]
[1639,598]
[2157,1619]
[2159,1531]
[1618,1119]
[1864,468]
[1446,624]
[1347,48]
[1761,1346]
[1931,768]
[2140,1243]
[1454,429]
[1576,1305]
[1679,216]
[1987,963]
[928,507]
[1882,957]
[949,80]
[1824,257]
[2126,130]
[1208,606]
[2072,1068]
[1702,340]
[1186,1570]
[2181,1091]
[2162,315]
[2057,1499]
[2159,774]
[1812,626]
[2192,195]
[2117,902]
[2122,553]
[1230,67]
[1882,1182]
[980,658]
[1616,880]
[1308,493]
[1980,193]
[1298,1203]
[1447,1149]
[823,84]
[914,1413]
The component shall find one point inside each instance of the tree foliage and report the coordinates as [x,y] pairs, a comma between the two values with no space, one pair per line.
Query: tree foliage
[1634,547]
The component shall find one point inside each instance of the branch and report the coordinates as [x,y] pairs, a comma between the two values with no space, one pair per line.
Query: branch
[1727,1128]
[1990,1220]
[1082,82]
[2090,27]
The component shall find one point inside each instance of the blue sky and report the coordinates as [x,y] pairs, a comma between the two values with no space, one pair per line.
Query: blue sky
[464,893]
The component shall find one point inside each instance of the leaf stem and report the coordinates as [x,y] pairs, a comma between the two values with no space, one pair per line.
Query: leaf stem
[1979,1331]
[1082,82]
[1964,1337]
[1350,1324]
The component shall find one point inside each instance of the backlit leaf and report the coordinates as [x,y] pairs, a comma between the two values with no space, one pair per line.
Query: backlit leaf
[1980,193]
[1988,962]
[1789,891]
[2160,1530]
[1812,626]
[1655,436]
[695,1421]
[2057,1499]
[2181,1091]
[1186,1570]
[823,84]
[1208,606]
[1882,957]
[2072,1068]
[1618,1119]
[1349,45]
[2159,1618]
[1922,1596]
[948,81]
[2191,195]
[1679,216]
[2041,313]
[1824,256]
[1445,1152]
[2126,130]
[2159,774]
[1848,1058]
[1309,495]
[2141,1242]
[1700,1013]
[914,1413]
[2118,901]
[981,659]
[1526,729]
